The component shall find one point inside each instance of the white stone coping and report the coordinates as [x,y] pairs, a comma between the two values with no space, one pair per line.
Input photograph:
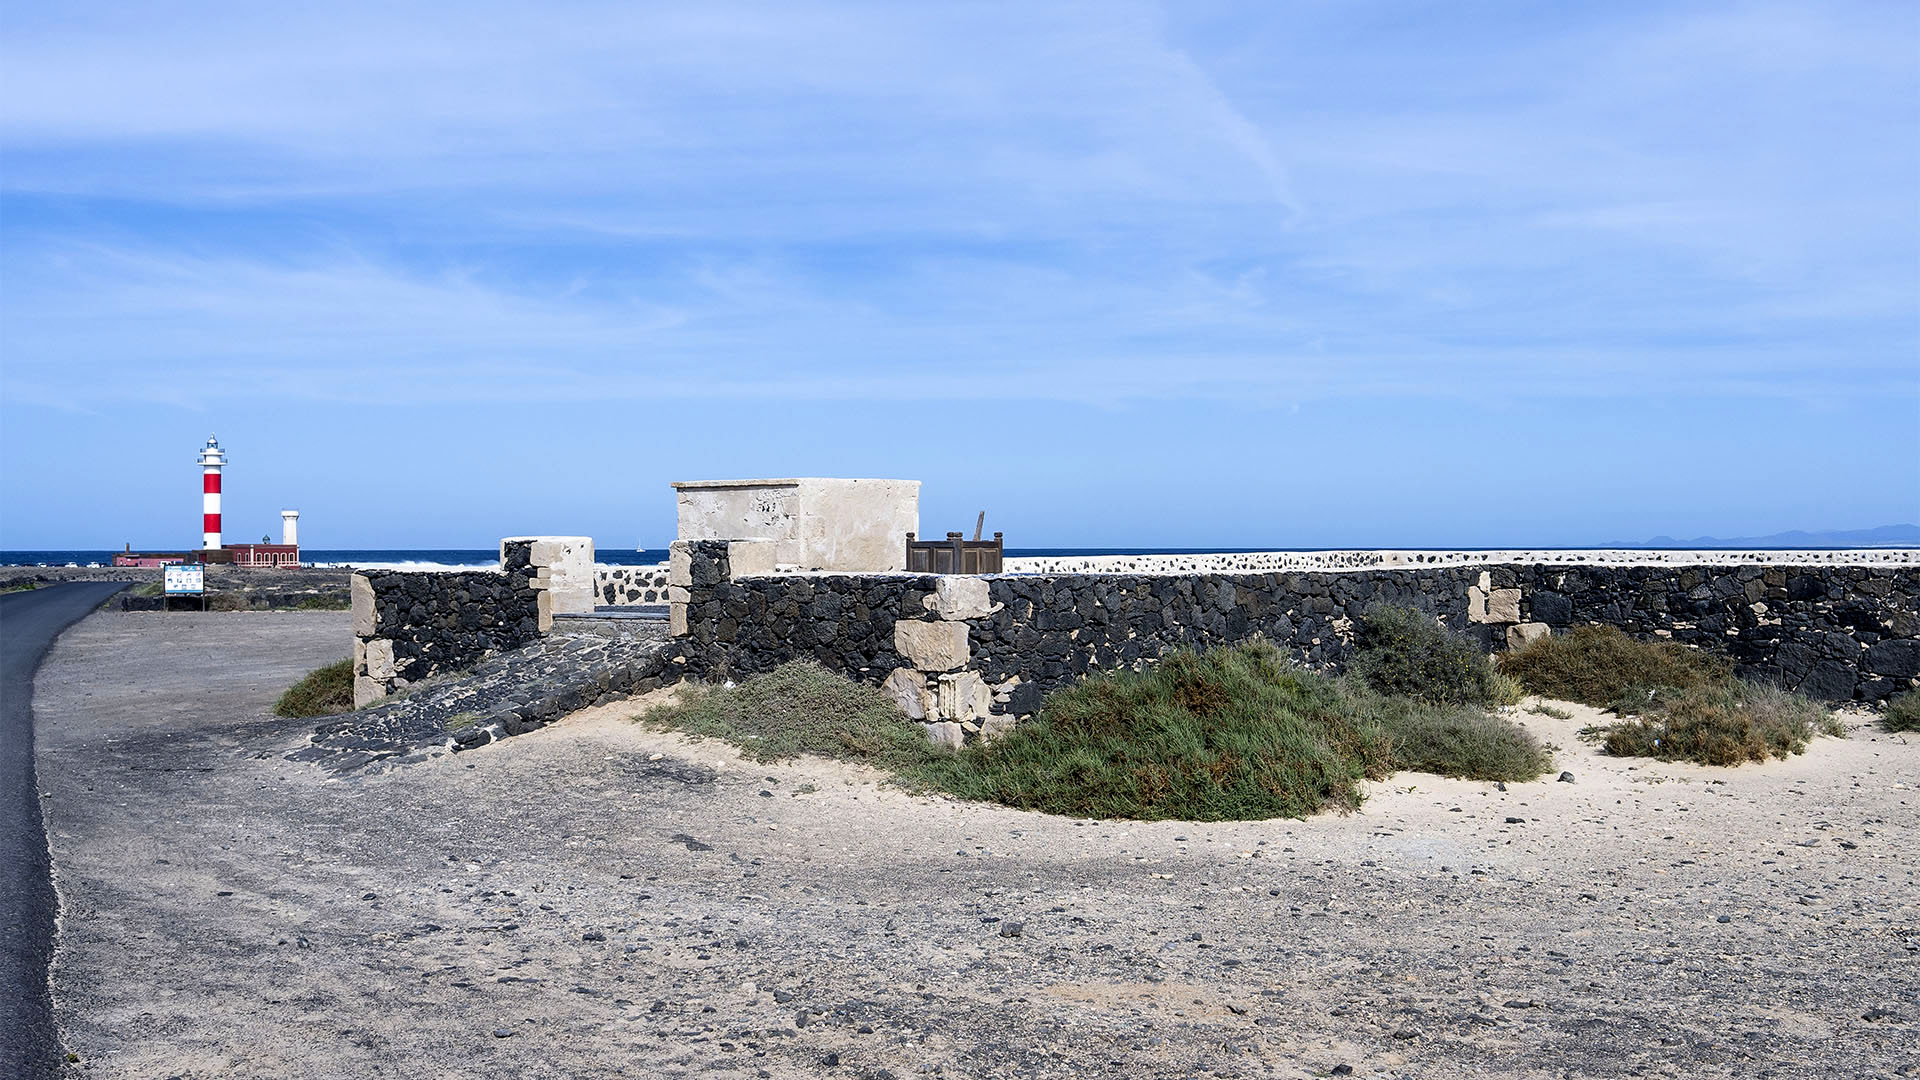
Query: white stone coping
[699,485]
[783,481]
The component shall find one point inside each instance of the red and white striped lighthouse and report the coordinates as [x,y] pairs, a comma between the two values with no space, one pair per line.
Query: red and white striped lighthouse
[212,460]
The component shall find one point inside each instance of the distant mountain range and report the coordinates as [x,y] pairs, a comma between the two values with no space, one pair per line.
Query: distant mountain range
[1884,536]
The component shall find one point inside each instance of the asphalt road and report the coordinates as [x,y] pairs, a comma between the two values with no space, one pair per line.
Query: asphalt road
[29,621]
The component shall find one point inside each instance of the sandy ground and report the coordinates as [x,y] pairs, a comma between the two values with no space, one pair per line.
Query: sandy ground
[601,900]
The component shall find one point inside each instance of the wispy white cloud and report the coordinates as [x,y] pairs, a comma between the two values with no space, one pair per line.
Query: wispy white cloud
[1100,202]
[346,328]
[832,104]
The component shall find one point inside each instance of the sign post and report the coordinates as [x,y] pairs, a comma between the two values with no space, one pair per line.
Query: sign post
[185,579]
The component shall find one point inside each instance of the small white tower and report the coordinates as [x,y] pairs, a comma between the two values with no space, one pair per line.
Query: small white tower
[212,460]
[290,528]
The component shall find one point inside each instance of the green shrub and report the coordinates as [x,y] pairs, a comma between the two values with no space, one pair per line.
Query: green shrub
[1406,653]
[1237,733]
[1903,712]
[799,708]
[1600,665]
[1458,741]
[1232,734]
[323,692]
[335,602]
[1504,688]
[1727,722]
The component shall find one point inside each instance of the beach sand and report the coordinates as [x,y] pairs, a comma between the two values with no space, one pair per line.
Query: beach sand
[599,899]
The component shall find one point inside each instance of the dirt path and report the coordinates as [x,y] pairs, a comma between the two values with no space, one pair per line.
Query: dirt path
[601,900]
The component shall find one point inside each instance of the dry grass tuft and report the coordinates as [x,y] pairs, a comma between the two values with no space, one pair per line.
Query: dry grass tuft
[1903,712]
[325,691]
[1600,665]
[1723,723]
[799,708]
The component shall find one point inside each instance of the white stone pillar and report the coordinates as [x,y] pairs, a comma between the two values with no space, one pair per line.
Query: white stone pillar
[563,568]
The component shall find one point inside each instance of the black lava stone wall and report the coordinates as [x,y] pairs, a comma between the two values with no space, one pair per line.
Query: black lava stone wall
[1840,633]
[754,625]
[1836,633]
[446,622]
[1051,630]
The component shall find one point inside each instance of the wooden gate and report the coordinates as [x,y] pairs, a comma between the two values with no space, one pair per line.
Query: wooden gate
[953,555]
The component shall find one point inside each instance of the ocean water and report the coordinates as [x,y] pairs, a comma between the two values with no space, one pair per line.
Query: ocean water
[485,558]
[476,558]
[479,558]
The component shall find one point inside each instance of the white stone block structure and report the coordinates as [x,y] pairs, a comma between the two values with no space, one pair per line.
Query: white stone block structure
[816,523]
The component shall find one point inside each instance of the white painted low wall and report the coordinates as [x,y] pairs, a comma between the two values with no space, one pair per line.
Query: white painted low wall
[1263,561]
[627,586]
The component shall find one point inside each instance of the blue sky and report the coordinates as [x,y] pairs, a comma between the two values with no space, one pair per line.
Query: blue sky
[1287,274]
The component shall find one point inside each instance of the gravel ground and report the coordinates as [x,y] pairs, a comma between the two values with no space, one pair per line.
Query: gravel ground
[282,578]
[597,899]
[228,587]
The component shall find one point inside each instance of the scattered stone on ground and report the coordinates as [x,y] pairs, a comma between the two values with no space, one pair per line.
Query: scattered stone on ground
[509,694]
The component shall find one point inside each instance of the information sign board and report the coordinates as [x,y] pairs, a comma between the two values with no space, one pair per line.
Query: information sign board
[186,579]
